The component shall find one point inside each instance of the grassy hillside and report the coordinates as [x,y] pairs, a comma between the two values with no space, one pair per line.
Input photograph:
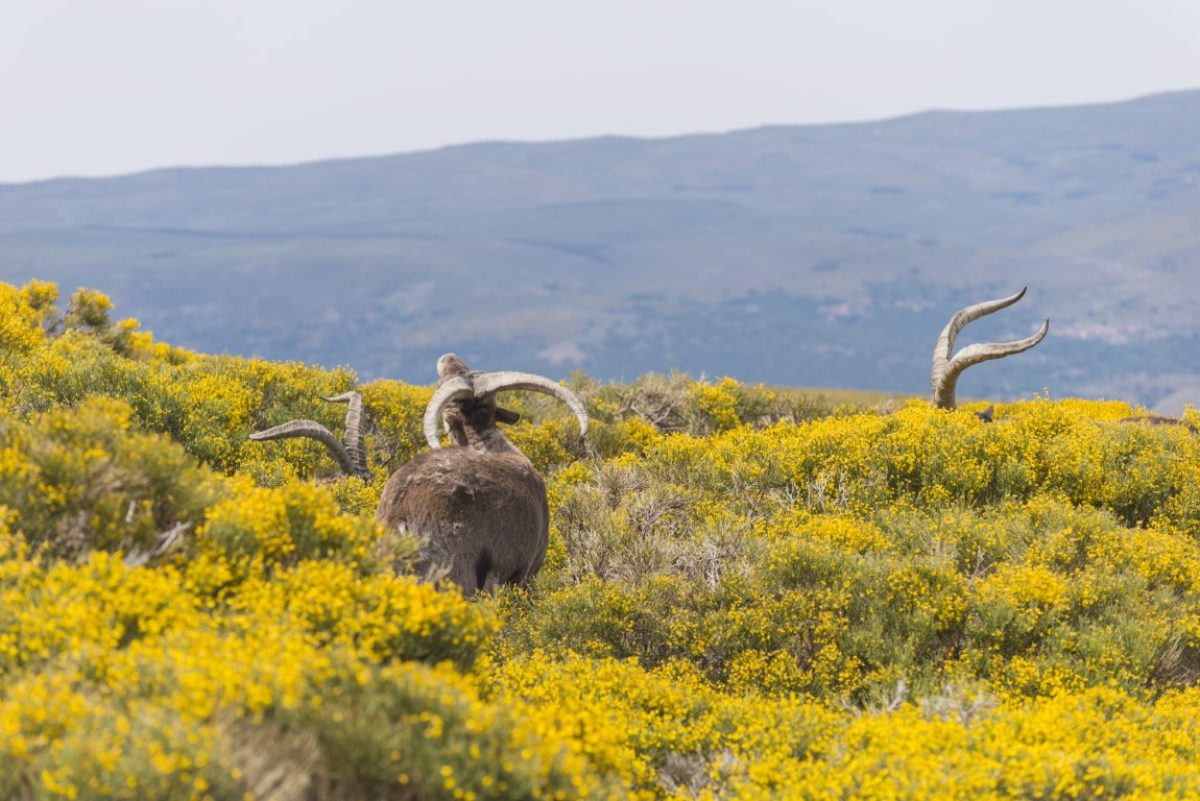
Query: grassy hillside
[792,255]
[748,594]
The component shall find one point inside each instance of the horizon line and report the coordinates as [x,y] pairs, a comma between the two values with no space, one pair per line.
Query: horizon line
[485,142]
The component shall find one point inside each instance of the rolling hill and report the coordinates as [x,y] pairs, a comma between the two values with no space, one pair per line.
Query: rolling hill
[795,255]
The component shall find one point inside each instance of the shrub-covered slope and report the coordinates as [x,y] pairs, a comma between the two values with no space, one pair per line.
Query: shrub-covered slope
[746,595]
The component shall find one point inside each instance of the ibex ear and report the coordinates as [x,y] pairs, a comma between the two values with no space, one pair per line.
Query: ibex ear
[987,414]
[505,416]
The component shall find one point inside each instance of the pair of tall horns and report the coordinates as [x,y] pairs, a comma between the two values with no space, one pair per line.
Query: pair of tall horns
[457,383]
[948,366]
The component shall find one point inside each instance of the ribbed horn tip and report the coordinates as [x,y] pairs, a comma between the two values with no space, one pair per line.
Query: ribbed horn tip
[292,429]
[345,397]
[296,429]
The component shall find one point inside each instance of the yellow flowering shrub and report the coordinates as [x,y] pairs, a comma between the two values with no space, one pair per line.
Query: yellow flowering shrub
[118,681]
[748,593]
[396,412]
[281,525]
[24,315]
[79,479]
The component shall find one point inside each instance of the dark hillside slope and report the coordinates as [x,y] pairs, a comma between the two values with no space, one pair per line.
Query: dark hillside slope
[819,255]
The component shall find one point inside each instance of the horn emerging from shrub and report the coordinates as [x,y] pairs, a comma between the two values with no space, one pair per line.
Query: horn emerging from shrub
[947,368]
[351,455]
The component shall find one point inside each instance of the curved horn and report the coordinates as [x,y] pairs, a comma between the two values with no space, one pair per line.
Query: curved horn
[456,388]
[314,430]
[354,438]
[947,368]
[487,383]
[970,314]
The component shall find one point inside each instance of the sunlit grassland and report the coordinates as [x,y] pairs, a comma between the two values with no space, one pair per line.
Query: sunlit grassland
[865,398]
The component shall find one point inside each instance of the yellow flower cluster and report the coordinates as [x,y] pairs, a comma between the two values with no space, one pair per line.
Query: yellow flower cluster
[123,682]
[747,594]
[667,732]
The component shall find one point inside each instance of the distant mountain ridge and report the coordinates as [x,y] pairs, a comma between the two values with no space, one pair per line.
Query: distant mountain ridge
[797,255]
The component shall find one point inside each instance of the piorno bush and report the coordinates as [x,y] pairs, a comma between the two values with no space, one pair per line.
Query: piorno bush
[80,479]
[748,593]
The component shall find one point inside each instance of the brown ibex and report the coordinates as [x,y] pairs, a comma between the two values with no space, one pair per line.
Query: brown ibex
[479,507]
[948,366]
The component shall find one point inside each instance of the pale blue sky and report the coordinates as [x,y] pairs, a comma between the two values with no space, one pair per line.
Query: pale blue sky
[96,88]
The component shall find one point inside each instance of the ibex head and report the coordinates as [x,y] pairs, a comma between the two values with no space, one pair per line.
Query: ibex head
[466,400]
[947,368]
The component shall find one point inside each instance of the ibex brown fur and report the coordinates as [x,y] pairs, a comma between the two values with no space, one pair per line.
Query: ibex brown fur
[478,507]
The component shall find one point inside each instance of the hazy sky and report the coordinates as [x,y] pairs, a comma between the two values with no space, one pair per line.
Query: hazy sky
[98,88]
